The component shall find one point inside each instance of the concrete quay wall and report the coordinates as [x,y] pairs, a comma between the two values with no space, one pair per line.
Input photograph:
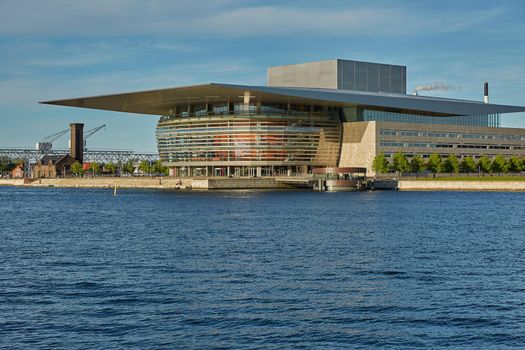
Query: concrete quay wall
[429,185]
[246,183]
[249,183]
[146,182]
[11,182]
[110,182]
[232,184]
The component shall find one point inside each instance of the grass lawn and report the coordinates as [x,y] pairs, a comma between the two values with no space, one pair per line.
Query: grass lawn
[473,178]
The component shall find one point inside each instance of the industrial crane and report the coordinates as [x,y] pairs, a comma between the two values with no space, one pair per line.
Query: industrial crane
[46,144]
[90,132]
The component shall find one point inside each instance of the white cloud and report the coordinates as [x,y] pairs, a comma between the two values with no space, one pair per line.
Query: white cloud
[27,90]
[35,55]
[226,18]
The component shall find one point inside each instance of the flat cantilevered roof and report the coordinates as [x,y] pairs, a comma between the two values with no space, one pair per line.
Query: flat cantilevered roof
[161,101]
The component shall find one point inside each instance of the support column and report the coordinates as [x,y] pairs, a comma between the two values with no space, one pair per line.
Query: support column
[246,101]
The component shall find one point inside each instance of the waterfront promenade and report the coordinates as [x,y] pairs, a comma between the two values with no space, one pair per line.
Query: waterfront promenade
[494,184]
[155,183]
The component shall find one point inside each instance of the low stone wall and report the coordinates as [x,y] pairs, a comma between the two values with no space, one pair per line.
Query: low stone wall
[148,182]
[11,182]
[429,185]
[199,184]
[237,183]
[110,182]
[245,184]
[249,183]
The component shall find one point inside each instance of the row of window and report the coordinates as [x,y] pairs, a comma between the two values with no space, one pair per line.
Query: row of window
[232,129]
[443,155]
[434,134]
[445,145]
[224,108]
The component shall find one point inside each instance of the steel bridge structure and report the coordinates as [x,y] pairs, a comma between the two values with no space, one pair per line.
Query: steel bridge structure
[119,157]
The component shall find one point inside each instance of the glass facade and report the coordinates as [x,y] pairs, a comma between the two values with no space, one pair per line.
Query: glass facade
[490,120]
[452,135]
[249,134]
[460,143]
[283,139]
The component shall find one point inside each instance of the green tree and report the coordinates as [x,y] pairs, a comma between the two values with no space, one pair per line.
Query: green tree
[128,167]
[401,163]
[468,165]
[484,164]
[514,164]
[158,168]
[77,168]
[451,164]
[434,163]
[94,167]
[499,165]
[417,164]
[111,167]
[380,164]
[145,167]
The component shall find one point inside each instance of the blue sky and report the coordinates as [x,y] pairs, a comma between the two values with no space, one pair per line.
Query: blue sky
[57,49]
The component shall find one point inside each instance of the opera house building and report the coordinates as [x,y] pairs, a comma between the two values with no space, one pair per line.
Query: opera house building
[336,113]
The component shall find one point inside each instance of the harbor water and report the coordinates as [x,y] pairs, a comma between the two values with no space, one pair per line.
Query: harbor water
[82,268]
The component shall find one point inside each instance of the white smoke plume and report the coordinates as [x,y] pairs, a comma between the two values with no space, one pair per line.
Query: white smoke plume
[435,86]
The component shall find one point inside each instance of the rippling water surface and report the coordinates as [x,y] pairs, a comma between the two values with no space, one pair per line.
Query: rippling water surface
[80,268]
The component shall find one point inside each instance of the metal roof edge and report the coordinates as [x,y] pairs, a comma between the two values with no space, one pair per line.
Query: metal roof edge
[130,92]
[351,97]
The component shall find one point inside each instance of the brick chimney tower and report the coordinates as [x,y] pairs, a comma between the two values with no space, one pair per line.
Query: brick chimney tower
[77,141]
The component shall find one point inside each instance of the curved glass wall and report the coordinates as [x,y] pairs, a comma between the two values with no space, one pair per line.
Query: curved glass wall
[243,136]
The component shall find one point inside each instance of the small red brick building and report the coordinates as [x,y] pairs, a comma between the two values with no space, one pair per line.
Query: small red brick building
[53,166]
[18,171]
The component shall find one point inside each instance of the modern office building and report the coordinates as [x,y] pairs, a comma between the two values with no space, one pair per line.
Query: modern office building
[336,113]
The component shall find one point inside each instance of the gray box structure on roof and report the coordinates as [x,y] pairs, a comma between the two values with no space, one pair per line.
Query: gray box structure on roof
[341,74]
